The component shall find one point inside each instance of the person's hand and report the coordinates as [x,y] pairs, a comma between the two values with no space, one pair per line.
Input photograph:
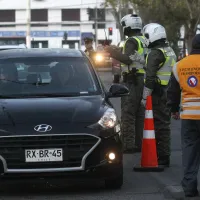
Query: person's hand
[143,102]
[136,57]
[114,47]
[107,48]
[175,115]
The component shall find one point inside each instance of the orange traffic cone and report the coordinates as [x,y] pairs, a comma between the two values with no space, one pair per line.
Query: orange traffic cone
[149,159]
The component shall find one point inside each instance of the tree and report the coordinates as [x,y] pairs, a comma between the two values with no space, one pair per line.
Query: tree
[157,13]
[173,14]
[119,9]
[190,15]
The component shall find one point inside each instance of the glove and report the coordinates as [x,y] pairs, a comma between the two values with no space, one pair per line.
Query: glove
[143,102]
[175,115]
[111,48]
[146,92]
[136,57]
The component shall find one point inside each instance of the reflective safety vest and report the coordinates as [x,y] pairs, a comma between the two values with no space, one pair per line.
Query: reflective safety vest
[164,72]
[187,73]
[121,44]
[142,51]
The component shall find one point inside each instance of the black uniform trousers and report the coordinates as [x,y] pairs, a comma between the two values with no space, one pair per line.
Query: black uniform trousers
[132,114]
[190,133]
[162,119]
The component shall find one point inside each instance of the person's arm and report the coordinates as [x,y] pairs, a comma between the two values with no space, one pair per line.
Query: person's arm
[155,58]
[174,97]
[130,47]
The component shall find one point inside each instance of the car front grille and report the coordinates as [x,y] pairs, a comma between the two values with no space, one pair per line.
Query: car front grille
[74,146]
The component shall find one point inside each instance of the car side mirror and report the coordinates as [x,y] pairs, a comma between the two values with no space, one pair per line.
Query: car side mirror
[118,90]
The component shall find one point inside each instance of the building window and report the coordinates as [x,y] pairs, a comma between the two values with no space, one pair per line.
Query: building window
[70,14]
[12,41]
[70,24]
[39,15]
[101,17]
[7,16]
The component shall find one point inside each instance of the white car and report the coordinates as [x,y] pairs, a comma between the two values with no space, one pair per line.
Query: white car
[8,47]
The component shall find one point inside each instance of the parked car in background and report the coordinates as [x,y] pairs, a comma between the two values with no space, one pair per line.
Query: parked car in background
[116,66]
[102,59]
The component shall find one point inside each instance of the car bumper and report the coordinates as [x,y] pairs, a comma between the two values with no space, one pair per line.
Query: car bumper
[100,172]
[91,163]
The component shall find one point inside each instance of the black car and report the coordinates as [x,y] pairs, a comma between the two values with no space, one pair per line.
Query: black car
[56,119]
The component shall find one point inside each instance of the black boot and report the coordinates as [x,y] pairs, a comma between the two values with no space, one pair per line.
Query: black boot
[192,194]
[164,161]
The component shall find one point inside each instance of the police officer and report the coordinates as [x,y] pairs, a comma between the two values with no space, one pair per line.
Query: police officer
[159,64]
[132,113]
[89,50]
[184,90]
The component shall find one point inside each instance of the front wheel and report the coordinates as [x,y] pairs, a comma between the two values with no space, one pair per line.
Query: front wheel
[116,182]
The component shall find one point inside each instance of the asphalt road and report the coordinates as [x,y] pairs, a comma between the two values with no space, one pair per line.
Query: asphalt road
[137,185]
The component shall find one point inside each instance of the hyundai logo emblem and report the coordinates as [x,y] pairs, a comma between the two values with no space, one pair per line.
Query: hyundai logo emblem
[43,128]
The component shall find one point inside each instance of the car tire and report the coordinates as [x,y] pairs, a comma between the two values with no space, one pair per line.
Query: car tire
[114,183]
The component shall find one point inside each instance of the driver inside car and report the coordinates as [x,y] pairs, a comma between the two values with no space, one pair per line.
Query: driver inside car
[8,78]
[61,75]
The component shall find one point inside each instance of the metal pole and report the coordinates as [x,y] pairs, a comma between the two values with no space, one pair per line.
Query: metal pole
[96,28]
[28,31]
[80,41]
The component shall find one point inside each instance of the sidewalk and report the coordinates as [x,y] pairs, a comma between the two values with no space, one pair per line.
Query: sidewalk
[170,179]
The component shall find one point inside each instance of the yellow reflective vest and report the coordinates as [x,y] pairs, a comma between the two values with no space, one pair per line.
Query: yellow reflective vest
[142,50]
[165,70]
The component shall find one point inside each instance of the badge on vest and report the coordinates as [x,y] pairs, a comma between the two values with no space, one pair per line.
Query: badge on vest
[192,81]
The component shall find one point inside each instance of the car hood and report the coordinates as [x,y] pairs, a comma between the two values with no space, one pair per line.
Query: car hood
[57,112]
[48,110]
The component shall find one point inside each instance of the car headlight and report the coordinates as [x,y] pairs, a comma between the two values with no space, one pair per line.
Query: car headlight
[99,58]
[109,119]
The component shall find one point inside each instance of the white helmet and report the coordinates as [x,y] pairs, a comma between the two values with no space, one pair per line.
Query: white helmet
[154,32]
[131,20]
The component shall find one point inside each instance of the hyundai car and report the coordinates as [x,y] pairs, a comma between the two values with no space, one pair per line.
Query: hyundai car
[61,124]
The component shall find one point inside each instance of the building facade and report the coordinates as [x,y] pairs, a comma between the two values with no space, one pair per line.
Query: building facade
[52,19]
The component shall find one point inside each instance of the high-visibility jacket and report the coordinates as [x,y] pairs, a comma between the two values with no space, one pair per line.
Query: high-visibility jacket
[187,73]
[165,69]
[142,51]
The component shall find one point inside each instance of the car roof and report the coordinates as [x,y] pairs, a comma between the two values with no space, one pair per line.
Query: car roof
[21,53]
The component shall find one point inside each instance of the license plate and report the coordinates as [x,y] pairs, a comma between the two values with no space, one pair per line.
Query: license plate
[43,155]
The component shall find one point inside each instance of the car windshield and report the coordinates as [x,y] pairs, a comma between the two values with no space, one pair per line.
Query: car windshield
[48,76]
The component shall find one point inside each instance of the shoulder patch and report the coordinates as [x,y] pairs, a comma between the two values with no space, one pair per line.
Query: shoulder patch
[192,81]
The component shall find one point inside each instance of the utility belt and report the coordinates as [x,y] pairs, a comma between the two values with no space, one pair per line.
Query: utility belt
[159,89]
[131,76]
